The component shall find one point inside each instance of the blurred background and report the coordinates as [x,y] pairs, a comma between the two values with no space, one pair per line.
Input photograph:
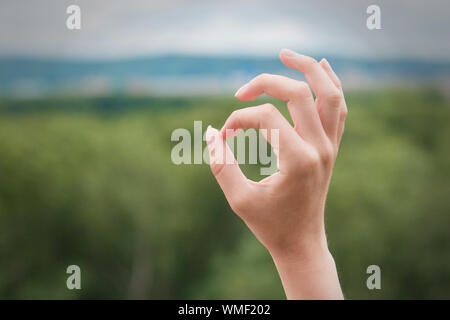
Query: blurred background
[86,117]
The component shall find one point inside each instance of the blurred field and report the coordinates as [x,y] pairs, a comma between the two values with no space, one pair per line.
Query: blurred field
[89,181]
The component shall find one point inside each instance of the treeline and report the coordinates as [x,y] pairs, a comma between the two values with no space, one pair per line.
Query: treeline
[89,181]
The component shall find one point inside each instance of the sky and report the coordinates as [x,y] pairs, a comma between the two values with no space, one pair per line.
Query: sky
[112,29]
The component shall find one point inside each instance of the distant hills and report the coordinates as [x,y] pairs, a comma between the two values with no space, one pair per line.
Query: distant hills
[173,75]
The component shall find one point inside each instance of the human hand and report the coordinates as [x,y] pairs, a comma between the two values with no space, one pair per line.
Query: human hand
[285,211]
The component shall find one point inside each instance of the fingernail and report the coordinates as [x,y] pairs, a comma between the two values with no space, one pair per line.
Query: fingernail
[288,53]
[326,63]
[209,135]
[240,90]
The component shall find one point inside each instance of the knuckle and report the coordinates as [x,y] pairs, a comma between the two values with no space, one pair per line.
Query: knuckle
[308,161]
[234,114]
[300,90]
[334,98]
[311,162]
[268,109]
[262,78]
[327,153]
[233,119]
[310,62]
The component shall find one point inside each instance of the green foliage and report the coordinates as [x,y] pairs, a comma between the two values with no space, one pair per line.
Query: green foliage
[89,181]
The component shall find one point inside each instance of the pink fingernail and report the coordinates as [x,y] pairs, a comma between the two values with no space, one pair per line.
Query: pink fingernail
[288,53]
[327,65]
[240,90]
[209,135]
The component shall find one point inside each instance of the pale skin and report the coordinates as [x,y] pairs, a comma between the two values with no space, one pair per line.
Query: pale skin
[285,211]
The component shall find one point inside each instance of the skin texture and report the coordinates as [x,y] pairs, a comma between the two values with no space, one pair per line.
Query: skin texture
[285,211]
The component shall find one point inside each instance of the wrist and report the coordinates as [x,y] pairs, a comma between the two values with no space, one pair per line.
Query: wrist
[308,272]
[305,251]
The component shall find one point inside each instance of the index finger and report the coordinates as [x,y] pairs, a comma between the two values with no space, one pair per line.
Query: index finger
[297,94]
[287,141]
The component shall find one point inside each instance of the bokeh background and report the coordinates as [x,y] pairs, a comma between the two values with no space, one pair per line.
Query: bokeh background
[86,117]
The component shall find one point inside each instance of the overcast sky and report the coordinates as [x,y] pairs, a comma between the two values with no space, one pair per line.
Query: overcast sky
[123,28]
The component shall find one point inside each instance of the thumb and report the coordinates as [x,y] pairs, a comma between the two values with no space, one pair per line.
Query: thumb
[226,169]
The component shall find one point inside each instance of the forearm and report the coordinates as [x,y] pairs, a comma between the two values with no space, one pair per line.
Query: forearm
[308,273]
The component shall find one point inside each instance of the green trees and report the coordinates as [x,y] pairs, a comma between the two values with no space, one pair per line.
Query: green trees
[95,187]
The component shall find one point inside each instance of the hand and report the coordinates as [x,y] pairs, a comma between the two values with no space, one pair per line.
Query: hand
[285,211]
